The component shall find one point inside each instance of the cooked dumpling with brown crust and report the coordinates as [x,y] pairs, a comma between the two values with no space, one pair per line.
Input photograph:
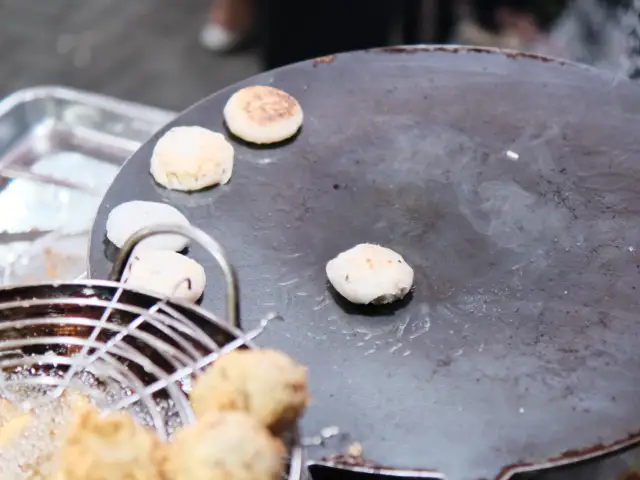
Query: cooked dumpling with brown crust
[267,384]
[224,446]
[262,114]
[109,447]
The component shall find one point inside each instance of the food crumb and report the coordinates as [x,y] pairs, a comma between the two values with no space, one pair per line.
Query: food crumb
[50,263]
[355,450]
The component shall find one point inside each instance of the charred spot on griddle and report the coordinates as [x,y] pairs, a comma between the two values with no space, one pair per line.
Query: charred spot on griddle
[323,60]
[336,186]
[370,310]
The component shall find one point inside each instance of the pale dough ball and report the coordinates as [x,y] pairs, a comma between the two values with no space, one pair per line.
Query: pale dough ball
[261,114]
[109,447]
[224,446]
[191,158]
[167,273]
[370,273]
[127,218]
[267,384]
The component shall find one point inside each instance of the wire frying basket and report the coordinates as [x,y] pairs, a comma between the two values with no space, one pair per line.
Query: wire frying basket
[124,348]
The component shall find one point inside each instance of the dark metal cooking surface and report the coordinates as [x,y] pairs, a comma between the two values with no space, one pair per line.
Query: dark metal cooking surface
[510,183]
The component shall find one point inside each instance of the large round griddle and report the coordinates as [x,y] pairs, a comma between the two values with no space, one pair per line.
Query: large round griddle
[511,184]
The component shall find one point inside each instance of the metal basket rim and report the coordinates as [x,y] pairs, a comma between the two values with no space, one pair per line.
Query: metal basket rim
[296,453]
[193,307]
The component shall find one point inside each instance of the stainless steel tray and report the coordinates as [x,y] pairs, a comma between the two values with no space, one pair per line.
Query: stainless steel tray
[59,151]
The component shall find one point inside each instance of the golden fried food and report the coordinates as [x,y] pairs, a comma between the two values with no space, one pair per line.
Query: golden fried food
[14,428]
[267,384]
[109,447]
[29,439]
[13,422]
[7,411]
[224,446]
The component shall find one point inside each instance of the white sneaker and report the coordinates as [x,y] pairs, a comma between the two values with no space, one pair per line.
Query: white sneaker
[216,38]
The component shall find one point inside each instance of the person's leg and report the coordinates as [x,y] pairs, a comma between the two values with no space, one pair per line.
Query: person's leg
[228,24]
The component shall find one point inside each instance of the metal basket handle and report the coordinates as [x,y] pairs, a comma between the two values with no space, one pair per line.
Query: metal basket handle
[199,236]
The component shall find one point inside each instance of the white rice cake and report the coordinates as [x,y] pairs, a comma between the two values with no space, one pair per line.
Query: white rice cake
[127,218]
[370,273]
[167,273]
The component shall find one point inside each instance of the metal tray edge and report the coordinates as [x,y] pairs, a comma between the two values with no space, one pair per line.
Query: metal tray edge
[122,107]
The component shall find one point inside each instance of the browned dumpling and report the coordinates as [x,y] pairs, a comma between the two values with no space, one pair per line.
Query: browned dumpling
[109,447]
[224,446]
[267,384]
[262,114]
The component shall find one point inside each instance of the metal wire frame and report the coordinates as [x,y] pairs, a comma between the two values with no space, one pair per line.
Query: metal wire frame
[69,329]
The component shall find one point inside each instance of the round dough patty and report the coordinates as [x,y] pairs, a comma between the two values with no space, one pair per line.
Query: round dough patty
[127,218]
[262,114]
[191,158]
[370,273]
[167,273]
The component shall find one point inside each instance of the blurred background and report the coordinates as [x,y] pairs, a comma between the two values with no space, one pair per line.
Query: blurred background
[170,53]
